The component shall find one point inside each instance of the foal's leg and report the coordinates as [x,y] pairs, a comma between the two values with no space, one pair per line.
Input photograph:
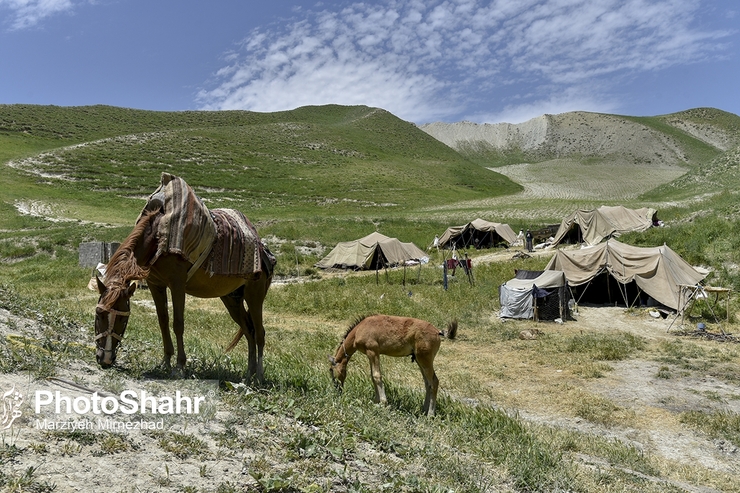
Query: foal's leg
[159,295]
[431,383]
[376,376]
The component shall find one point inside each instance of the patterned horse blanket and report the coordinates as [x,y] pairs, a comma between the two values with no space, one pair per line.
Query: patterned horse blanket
[221,241]
[237,249]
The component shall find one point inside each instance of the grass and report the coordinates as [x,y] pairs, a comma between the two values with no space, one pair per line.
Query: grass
[717,424]
[308,179]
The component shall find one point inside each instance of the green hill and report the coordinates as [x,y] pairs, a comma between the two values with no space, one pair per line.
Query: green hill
[329,160]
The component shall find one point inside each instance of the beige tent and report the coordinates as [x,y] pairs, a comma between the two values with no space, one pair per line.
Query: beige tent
[478,233]
[374,251]
[593,226]
[615,272]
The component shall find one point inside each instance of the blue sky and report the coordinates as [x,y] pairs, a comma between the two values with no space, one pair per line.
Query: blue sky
[449,60]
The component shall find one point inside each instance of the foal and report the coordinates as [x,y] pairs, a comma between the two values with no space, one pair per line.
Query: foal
[393,336]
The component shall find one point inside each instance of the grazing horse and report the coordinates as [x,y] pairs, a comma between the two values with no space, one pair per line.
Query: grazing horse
[133,261]
[392,336]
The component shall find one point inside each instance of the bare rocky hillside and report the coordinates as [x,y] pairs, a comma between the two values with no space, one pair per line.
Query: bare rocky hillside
[586,134]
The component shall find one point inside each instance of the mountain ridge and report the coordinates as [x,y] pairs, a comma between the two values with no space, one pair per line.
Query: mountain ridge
[580,133]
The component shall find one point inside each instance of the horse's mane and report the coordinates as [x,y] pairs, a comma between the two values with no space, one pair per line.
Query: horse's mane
[353,325]
[122,268]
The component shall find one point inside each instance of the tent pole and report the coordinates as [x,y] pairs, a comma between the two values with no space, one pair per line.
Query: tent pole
[681,308]
[636,297]
[404,273]
[624,294]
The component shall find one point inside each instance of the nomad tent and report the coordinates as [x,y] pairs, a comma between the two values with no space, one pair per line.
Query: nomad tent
[374,251]
[615,272]
[591,227]
[479,234]
[535,295]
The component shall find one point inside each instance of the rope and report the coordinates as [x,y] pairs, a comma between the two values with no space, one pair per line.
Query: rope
[62,381]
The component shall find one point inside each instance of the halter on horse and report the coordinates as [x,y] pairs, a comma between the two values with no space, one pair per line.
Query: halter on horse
[109,330]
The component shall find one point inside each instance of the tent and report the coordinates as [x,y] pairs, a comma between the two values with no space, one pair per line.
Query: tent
[535,294]
[478,233]
[592,226]
[616,272]
[374,251]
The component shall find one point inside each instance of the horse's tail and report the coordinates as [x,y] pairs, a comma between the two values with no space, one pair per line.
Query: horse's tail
[235,340]
[451,330]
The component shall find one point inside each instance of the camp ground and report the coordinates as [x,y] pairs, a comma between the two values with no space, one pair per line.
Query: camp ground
[478,233]
[593,226]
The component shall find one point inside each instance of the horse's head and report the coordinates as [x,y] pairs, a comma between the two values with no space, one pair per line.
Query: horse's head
[111,318]
[338,370]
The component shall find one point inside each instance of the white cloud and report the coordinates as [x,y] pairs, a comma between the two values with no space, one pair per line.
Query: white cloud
[572,99]
[28,13]
[439,59]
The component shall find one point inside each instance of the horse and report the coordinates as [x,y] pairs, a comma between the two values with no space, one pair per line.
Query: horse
[393,336]
[132,262]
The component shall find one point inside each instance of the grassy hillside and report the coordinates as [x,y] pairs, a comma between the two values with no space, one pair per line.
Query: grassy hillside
[330,160]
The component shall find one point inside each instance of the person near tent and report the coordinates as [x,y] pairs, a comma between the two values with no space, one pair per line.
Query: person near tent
[529,237]
[520,238]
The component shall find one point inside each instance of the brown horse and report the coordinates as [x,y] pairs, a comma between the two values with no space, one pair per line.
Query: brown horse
[131,262]
[393,336]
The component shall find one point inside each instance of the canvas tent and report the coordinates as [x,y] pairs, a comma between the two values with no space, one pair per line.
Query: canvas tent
[593,226]
[374,251]
[616,272]
[535,295]
[478,233]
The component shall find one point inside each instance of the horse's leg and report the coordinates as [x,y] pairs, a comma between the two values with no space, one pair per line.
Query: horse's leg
[254,296]
[177,292]
[376,376]
[159,295]
[234,304]
[431,383]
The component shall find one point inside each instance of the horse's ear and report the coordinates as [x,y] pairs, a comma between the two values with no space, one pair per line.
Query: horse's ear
[332,360]
[131,289]
[101,286]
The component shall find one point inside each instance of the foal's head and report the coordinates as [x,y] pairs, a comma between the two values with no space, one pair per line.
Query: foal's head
[111,318]
[338,368]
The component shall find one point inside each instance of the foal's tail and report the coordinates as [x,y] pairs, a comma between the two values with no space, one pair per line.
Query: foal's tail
[240,333]
[451,330]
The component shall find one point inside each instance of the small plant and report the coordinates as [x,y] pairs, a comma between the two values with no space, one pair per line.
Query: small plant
[25,482]
[276,481]
[183,446]
[664,372]
[113,443]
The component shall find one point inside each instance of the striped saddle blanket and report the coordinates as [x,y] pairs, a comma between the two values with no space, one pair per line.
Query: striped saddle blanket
[221,241]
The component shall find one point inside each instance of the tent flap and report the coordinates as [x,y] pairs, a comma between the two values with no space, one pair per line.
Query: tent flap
[516,295]
[605,222]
